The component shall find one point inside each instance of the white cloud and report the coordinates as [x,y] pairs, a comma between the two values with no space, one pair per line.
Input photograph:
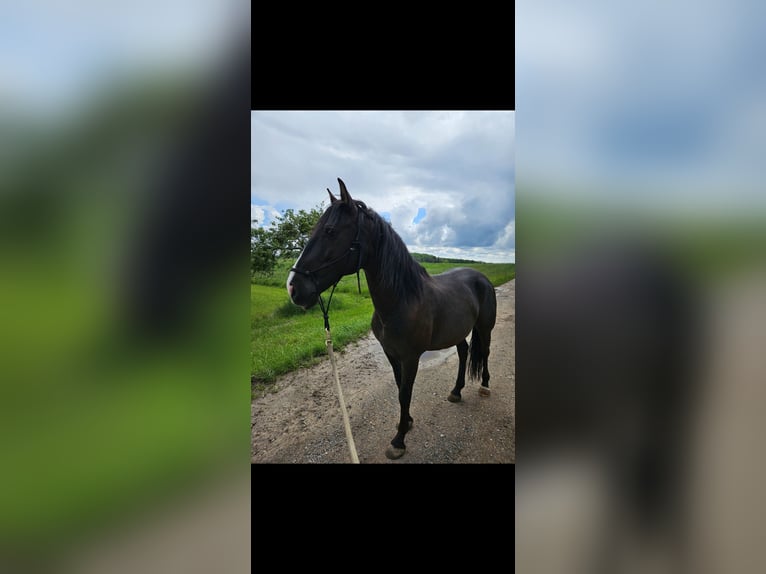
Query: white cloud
[508,237]
[258,214]
[57,56]
[264,214]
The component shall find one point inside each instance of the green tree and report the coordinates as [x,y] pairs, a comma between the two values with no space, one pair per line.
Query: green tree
[291,231]
[286,237]
[262,257]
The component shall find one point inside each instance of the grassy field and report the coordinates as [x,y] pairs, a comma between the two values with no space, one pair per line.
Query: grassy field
[285,337]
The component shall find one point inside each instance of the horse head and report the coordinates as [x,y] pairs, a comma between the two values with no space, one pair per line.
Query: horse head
[333,250]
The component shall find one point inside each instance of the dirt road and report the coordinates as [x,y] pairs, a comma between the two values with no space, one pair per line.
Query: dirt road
[302,422]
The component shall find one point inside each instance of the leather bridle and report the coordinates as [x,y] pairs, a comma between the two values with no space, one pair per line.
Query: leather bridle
[356,245]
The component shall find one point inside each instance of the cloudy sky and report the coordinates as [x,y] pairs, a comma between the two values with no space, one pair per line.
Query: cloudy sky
[655,102]
[54,55]
[445,180]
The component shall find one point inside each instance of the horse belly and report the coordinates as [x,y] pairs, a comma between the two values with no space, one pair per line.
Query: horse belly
[452,329]
[401,338]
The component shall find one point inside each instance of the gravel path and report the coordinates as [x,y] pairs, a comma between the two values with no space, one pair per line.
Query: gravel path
[302,423]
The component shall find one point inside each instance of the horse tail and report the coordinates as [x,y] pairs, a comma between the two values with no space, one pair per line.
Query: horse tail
[476,356]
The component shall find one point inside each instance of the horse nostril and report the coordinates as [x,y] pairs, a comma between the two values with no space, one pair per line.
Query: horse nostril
[290,289]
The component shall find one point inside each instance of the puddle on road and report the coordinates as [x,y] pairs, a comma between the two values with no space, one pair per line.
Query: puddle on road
[434,357]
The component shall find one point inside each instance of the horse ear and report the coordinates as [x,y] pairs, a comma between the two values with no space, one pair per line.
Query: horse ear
[333,199]
[344,194]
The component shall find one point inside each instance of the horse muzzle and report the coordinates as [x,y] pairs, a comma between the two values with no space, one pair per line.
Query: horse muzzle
[302,294]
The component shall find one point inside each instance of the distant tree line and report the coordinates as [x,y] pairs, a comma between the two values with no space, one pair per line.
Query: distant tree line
[426,258]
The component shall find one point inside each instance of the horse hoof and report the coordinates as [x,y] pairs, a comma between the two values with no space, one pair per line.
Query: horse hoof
[393,453]
[453,398]
[484,391]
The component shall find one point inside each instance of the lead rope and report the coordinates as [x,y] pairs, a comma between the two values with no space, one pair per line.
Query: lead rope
[346,422]
[328,344]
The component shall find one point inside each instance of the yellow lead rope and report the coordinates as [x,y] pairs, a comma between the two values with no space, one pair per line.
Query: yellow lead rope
[346,423]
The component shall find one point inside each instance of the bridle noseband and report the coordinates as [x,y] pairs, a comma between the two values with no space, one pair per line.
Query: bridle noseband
[356,245]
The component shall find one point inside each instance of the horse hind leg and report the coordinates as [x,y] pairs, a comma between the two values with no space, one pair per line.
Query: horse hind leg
[485,339]
[484,388]
[462,353]
[484,327]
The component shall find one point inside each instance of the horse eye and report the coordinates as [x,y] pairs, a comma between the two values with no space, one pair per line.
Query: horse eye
[329,231]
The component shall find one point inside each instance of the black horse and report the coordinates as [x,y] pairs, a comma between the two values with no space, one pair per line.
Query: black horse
[414,312]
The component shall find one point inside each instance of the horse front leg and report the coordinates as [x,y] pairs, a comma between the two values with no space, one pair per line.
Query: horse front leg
[396,365]
[409,369]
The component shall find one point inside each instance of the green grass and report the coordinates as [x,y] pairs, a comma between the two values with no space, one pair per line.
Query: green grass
[285,337]
[100,423]
[706,248]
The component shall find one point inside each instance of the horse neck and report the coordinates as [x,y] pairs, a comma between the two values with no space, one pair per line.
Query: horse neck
[385,298]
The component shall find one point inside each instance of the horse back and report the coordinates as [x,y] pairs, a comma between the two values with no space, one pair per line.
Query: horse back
[475,284]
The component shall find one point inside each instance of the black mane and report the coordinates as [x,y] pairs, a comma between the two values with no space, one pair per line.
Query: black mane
[397,270]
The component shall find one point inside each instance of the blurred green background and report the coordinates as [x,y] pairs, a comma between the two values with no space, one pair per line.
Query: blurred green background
[123,379]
